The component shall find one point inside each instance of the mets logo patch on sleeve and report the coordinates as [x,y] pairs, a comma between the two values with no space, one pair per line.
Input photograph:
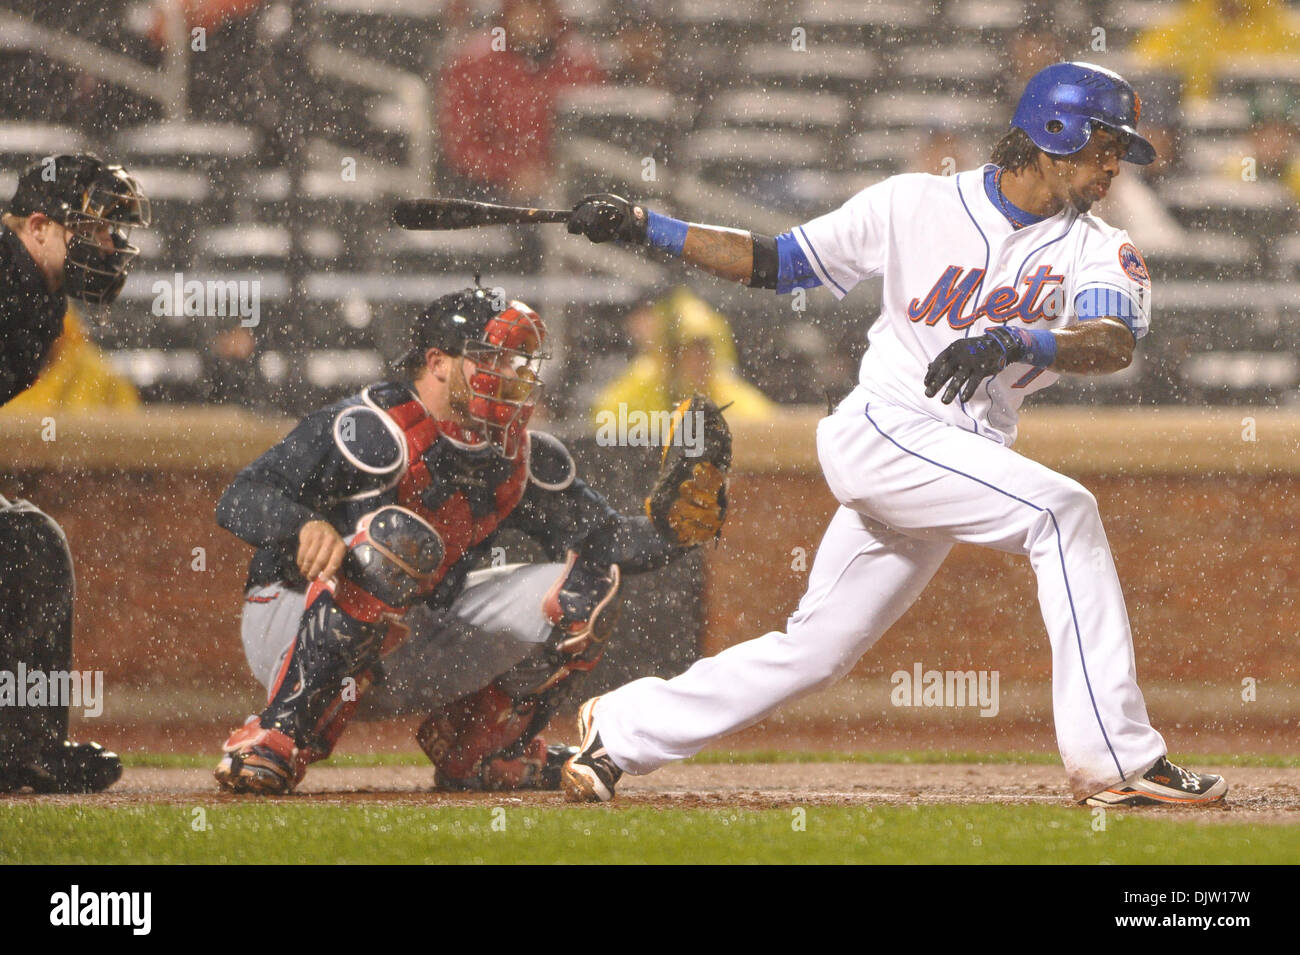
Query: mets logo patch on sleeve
[1130,260]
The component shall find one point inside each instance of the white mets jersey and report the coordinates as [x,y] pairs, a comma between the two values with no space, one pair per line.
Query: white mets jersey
[953,266]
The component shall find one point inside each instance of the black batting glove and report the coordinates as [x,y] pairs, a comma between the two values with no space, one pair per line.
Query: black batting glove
[605,217]
[968,361]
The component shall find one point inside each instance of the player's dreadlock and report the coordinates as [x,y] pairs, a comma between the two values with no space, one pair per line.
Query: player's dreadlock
[1015,151]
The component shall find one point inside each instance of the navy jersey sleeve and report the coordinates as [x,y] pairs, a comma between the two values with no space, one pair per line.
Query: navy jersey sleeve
[560,518]
[633,544]
[578,518]
[333,453]
[562,513]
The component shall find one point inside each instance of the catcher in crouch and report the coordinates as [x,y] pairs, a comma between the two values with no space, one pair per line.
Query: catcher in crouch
[369,517]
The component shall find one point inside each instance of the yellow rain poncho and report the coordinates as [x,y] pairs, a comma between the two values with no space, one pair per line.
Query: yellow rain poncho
[654,381]
[1207,35]
[75,378]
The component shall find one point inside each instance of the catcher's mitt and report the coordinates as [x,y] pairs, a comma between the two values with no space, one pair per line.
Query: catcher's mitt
[689,500]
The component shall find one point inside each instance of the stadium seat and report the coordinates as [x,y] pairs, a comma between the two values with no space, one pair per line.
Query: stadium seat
[1217,156]
[927,110]
[346,368]
[1268,75]
[220,151]
[760,147]
[1133,17]
[1259,209]
[189,142]
[24,143]
[326,199]
[635,118]
[838,68]
[1241,377]
[1218,117]
[818,191]
[847,20]
[398,32]
[180,199]
[778,109]
[725,21]
[971,70]
[1288,256]
[491,249]
[882,152]
[161,374]
[750,160]
[253,245]
[167,185]
[984,15]
[1202,255]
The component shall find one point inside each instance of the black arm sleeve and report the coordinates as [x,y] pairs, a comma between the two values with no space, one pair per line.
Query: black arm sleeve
[767,264]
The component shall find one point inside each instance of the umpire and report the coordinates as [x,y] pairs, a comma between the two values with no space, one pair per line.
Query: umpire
[65,236]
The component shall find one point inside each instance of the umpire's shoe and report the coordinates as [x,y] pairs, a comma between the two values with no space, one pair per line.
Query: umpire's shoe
[590,774]
[1164,784]
[66,767]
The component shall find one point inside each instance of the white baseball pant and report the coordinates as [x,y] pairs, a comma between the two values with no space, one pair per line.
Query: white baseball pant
[909,488]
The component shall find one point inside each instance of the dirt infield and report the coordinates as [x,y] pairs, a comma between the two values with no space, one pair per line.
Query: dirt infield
[1257,795]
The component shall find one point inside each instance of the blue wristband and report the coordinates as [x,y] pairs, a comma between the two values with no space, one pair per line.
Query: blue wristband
[1040,346]
[665,232]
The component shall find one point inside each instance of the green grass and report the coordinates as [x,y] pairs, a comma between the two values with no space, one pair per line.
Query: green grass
[282,832]
[363,760]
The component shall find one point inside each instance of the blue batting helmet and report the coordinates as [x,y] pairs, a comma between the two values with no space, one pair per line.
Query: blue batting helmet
[1062,101]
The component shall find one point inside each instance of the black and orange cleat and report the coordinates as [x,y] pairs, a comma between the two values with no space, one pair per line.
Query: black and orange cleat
[590,774]
[1164,784]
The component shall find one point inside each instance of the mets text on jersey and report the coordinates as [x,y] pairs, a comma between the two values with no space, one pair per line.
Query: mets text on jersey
[948,297]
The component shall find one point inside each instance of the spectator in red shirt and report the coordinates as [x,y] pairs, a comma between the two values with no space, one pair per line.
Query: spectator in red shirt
[496,104]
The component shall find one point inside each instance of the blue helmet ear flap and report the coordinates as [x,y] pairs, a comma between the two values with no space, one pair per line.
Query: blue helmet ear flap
[1062,135]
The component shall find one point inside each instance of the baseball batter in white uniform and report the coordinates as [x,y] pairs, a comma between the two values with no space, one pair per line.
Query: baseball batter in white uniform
[996,280]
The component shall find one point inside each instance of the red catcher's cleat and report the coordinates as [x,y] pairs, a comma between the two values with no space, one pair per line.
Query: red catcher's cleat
[262,761]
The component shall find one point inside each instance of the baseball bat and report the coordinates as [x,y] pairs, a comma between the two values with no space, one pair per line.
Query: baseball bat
[438,214]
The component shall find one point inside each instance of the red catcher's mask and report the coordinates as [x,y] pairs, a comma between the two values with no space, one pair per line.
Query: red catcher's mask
[506,382]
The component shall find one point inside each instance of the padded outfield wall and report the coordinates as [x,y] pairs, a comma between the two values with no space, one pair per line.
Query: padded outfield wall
[1202,510]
